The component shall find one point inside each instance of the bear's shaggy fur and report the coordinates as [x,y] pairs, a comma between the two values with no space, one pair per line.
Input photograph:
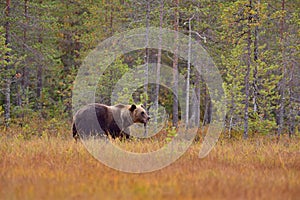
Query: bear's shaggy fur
[99,119]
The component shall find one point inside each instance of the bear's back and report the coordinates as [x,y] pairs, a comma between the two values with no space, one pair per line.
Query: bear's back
[107,117]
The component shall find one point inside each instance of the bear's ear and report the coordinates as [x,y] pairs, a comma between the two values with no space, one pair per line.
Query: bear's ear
[142,105]
[132,108]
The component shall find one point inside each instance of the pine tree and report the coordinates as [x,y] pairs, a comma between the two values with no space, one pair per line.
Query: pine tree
[175,65]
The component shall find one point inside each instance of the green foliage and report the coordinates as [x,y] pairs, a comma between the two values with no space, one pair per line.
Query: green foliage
[107,83]
[171,133]
[262,126]
[49,43]
[6,60]
[265,71]
[4,49]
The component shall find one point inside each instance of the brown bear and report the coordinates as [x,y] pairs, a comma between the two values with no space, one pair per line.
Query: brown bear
[99,120]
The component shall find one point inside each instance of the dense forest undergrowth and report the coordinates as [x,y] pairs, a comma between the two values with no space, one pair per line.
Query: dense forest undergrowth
[37,127]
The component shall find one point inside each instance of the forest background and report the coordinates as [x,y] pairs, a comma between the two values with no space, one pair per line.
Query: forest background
[254,43]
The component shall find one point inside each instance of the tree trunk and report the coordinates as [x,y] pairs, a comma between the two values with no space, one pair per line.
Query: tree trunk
[197,73]
[247,77]
[8,67]
[39,85]
[161,17]
[187,108]
[175,66]
[146,54]
[207,110]
[25,69]
[7,24]
[146,62]
[39,75]
[283,81]
[292,119]
[7,103]
[231,113]
[197,100]
[256,38]
[292,105]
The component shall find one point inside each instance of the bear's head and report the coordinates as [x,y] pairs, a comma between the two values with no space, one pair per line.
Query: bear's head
[139,114]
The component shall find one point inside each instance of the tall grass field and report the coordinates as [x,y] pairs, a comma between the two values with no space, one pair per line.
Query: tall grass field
[53,166]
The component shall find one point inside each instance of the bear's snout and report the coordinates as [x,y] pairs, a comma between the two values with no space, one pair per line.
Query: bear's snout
[145,119]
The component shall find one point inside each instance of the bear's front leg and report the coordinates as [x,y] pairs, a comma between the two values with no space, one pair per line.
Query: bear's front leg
[125,133]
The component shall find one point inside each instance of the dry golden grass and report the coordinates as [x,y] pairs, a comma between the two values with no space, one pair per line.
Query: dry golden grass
[57,168]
